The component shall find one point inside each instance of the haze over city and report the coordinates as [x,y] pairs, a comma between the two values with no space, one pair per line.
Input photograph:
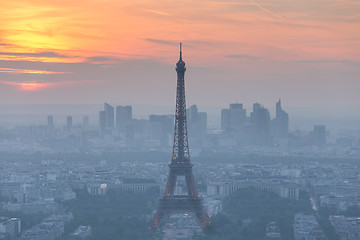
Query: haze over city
[61,52]
[197,120]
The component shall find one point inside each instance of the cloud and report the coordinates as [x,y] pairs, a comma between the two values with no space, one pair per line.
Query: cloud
[39,54]
[103,60]
[161,41]
[241,56]
[162,13]
[31,71]
[32,86]
[267,10]
[37,85]
[322,61]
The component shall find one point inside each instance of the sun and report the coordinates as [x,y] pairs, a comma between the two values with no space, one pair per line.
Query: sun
[31,86]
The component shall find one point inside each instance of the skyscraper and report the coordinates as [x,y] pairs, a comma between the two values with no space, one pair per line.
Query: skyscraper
[281,122]
[237,116]
[192,114]
[233,119]
[197,125]
[161,128]
[260,120]
[123,116]
[109,112]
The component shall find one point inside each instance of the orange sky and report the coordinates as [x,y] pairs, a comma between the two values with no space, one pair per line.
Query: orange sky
[283,44]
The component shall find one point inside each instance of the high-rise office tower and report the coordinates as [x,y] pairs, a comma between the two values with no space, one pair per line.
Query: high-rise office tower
[281,122]
[260,120]
[256,106]
[161,128]
[123,116]
[233,119]
[237,116]
[197,125]
[109,112]
[192,114]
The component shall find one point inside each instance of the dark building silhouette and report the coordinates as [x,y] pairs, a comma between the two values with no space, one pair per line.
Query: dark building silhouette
[106,119]
[197,125]
[109,112]
[180,164]
[281,122]
[161,128]
[233,120]
[123,116]
[192,114]
[260,123]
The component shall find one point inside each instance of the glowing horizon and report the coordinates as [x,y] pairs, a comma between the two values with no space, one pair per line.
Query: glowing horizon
[135,30]
[249,45]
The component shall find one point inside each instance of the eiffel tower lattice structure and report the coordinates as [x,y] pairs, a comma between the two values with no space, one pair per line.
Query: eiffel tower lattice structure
[180,164]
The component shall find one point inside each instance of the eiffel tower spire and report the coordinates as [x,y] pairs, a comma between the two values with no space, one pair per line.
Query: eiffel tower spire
[180,163]
[180,51]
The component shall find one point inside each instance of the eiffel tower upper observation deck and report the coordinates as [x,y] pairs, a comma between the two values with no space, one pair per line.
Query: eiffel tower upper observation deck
[180,164]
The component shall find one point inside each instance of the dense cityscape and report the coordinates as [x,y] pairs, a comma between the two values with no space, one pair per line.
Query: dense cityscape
[43,167]
[98,140]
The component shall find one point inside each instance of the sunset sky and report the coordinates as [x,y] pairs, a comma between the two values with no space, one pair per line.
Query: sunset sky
[306,52]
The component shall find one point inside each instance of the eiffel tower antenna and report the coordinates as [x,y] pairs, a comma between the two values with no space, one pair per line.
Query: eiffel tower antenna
[180,51]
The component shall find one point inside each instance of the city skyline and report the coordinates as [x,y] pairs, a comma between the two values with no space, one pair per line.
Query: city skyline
[92,148]
[306,53]
[301,118]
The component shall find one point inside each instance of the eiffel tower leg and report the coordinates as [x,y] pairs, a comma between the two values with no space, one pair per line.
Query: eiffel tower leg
[190,184]
[203,218]
[155,223]
[170,185]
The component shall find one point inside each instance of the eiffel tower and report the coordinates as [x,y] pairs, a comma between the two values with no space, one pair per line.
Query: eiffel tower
[180,164]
